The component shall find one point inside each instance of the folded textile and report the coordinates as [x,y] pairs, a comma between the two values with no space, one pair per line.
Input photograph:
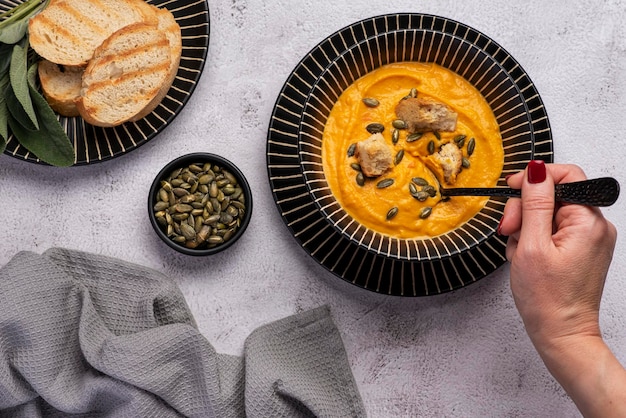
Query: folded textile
[91,336]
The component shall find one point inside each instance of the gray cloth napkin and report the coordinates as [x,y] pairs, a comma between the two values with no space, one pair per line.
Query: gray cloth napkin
[99,337]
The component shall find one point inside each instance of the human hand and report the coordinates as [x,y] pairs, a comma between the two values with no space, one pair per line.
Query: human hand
[559,255]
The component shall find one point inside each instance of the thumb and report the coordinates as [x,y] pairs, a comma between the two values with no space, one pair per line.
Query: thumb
[537,205]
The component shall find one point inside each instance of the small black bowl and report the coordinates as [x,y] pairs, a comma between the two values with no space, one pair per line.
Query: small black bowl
[230,228]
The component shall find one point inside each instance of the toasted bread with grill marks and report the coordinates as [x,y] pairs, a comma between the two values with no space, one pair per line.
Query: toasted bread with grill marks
[60,86]
[67,32]
[125,75]
[168,26]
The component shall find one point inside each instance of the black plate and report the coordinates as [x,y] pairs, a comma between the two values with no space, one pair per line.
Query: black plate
[94,144]
[363,257]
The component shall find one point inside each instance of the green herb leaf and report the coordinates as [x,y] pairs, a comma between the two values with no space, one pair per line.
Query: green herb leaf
[19,82]
[20,13]
[5,57]
[4,112]
[50,143]
[17,111]
[13,33]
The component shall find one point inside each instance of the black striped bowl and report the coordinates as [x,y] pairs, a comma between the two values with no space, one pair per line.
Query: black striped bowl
[94,144]
[404,267]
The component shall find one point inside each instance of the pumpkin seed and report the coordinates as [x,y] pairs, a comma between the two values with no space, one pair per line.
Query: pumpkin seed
[375,128]
[176,173]
[437,135]
[470,146]
[221,183]
[432,192]
[161,205]
[215,239]
[179,191]
[237,194]
[425,212]
[360,179]
[179,239]
[232,211]
[204,232]
[188,231]
[419,181]
[229,234]
[414,137]
[189,198]
[356,166]
[395,136]
[370,102]
[166,186]
[180,216]
[183,208]
[176,182]
[465,163]
[161,220]
[413,92]
[431,147]
[230,177]
[392,212]
[213,189]
[421,196]
[384,183]
[351,150]
[205,179]
[399,124]
[398,157]
[228,190]
[194,168]
[413,188]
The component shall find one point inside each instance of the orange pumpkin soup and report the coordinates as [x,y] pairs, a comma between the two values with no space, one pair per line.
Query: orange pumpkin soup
[397,202]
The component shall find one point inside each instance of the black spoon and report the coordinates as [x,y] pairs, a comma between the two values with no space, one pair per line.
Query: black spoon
[602,191]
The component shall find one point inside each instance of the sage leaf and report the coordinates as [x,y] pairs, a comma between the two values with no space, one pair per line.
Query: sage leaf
[19,82]
[5,57]
[13,33]
[4,112]
[17,111]
[50,143]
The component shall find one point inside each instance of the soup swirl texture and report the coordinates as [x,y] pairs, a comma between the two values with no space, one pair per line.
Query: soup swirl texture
[398,202]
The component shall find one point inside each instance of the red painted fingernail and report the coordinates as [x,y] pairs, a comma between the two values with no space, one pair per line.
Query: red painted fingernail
[499,230]
[536,171]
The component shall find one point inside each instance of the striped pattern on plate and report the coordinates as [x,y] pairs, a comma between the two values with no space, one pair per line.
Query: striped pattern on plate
[94,144]
[402,267]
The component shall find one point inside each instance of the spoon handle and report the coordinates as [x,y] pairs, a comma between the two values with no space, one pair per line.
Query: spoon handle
[602,191]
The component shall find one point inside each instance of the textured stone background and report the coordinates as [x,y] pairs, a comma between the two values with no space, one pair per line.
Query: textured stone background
[463,354]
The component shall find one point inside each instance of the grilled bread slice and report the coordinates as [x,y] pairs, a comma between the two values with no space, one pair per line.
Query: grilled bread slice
[125,75]
[67,32]
[168,26]
[60,86]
